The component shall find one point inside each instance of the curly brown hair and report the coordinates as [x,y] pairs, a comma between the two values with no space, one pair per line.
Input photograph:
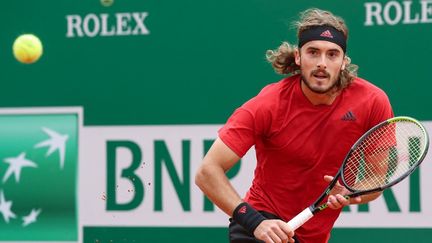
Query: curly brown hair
[283,59]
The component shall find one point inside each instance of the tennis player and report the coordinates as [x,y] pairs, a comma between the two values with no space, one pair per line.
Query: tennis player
[302,127]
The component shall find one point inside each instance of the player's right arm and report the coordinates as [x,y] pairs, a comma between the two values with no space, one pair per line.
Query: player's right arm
[212,180]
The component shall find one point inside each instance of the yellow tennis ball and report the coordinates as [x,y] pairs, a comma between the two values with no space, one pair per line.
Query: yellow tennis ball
[27,48]
[107,3]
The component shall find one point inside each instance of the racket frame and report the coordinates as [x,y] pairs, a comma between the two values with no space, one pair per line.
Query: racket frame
[316,207]
[355,192]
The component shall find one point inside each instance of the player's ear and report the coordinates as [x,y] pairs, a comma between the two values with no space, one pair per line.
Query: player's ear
[344,63]
[297,56]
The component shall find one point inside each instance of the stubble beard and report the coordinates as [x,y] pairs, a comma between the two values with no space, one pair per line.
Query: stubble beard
[330,90]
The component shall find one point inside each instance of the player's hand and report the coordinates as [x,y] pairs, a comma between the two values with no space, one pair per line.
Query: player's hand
[336,198]
[274,231]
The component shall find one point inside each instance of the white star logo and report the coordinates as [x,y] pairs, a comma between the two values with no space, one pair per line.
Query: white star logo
[55,142]
[31,218]
[5,208]
[15,166]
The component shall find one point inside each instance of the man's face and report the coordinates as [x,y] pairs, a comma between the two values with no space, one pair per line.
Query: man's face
[320,64]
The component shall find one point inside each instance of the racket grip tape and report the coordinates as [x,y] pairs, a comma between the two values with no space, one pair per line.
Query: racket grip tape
[300,219]
[246,216]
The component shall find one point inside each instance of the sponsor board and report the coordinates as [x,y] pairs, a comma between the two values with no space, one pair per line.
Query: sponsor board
[139,177]
[145,177]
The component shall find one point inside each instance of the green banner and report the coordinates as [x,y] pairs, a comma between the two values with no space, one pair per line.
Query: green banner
[38,190]
[194,62]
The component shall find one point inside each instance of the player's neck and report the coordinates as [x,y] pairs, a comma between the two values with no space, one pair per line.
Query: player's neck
[320,99]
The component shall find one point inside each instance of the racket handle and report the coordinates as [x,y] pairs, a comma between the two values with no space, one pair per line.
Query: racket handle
[300,219]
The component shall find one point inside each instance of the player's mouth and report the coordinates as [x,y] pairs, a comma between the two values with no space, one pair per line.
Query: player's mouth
[320,75]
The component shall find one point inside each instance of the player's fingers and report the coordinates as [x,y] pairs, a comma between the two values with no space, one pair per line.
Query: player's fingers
[328,178]
[338,188]
[274,231]
[270,231]
[269,240]
[266,237]
[355,199]
[342,200]
[278,236]
[286,228]
[333,203]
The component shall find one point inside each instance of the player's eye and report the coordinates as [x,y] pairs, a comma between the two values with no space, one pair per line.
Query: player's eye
[333,54]
[313,52]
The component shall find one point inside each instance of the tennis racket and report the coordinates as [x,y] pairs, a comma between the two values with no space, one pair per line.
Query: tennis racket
[381,158]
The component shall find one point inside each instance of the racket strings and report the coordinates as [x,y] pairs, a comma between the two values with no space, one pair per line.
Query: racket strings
[385,155]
